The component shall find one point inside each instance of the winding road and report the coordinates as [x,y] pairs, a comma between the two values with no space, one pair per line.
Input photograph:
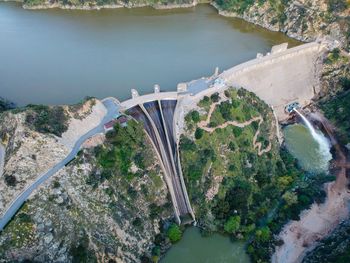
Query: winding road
[112,110]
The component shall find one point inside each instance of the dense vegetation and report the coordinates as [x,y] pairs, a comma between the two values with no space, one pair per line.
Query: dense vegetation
[256,195]
[47,119]
[337,110]
[126,146]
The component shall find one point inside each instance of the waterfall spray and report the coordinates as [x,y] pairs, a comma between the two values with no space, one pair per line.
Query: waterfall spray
[322,141]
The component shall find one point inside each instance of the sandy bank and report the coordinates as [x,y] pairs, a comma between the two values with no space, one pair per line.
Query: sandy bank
[78,127]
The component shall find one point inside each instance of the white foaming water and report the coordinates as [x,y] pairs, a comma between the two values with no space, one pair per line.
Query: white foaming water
[323,143]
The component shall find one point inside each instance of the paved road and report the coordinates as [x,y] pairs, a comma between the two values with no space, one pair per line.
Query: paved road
[2,158]
[112,110]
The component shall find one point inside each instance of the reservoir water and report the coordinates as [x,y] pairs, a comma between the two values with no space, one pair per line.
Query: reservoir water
[60,56]
[193,248]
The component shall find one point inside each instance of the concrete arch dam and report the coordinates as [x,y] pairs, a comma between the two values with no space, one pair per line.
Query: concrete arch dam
[157,117]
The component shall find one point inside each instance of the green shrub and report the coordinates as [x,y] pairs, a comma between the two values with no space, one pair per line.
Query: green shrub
[195,116]
[215,97]
[47,119]
[232,224]
[174,233]
[199,133]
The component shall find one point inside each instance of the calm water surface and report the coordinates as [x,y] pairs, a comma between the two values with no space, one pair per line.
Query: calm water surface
[303,146]
[60,56]
[193,248]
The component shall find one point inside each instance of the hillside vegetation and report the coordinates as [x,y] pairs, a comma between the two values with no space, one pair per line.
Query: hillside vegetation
[234,188]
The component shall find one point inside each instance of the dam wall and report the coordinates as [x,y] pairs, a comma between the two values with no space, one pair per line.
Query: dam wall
[281,78]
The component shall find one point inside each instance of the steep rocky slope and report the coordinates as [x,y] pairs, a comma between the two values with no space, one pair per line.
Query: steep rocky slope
[105,205]
[305,20]
[34,139]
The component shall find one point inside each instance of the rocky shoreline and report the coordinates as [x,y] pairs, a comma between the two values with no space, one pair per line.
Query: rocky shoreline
[89,7]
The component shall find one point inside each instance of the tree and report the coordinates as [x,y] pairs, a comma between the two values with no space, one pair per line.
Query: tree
[236,131]
[290,198]
[199,133]
[232,146]
[215,97]
[263,234]
[232,225]
[283,182]
[225,110]
[174,233]
[195,116]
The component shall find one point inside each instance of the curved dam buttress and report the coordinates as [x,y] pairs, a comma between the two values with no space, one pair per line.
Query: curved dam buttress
[157,118]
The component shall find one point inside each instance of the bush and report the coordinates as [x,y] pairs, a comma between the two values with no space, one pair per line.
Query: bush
[232,146]
[174,233]
[10,180]
[212,124]
[232,225]
[225,110]
[237,131]
[215,97]
[47,119]
[199,133]
[195,116]
[187,144]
